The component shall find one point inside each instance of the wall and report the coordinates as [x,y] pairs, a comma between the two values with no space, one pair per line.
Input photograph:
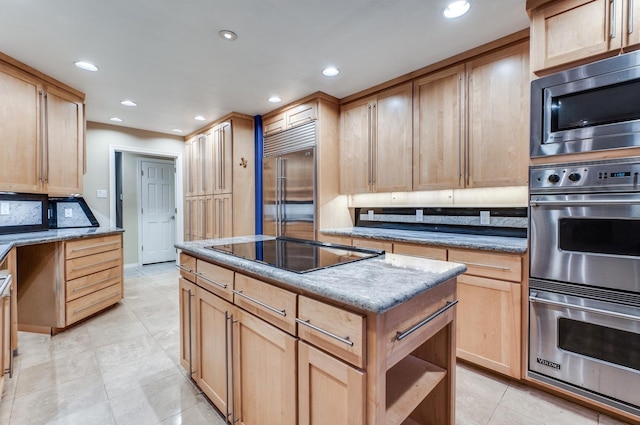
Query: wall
[99,139]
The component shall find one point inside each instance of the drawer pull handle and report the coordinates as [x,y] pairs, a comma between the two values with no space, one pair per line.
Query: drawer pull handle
[95,303]
[75,269]
[222,285]
[402,335]
[181,267]
[282,313]
[344,340]
[80,288]
[487,266]
[87,248]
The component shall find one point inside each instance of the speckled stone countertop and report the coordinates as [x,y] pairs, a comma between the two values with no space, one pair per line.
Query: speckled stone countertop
[448,240]
[373,285]
[10,240]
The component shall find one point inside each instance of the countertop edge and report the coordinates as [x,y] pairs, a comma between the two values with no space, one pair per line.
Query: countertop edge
[438,239]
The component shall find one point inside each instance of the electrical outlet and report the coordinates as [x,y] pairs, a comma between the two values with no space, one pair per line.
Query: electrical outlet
[68,213]
[485,217]
[370,215]
[4,208]
[419,215]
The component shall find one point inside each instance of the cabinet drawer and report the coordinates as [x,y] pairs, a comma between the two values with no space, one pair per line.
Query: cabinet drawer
[301,114]
[491,265]
[215,279]
[86,306]
[94,263]
[273,125]
[187,266]
[85,285]
[333,329]
[430,252]
[374,244]
[275,305]
[84,247]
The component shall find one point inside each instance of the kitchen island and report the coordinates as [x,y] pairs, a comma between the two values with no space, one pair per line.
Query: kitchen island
[367,342]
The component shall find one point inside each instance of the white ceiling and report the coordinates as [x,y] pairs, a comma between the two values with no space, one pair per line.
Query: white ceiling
[167,55]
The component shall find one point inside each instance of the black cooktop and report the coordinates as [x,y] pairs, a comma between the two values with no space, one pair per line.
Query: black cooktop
[297,255]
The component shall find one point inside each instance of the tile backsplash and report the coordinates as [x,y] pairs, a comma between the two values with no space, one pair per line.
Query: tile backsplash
[20,213]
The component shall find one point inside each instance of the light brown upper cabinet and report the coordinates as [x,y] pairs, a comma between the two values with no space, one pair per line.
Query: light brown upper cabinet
[289,118]
[222,158]
[42,135]
[471,123]
[376,142]
[571,32]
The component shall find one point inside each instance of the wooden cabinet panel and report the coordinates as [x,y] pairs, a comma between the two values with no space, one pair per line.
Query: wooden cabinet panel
[430,252]
[222,216]
[329,392]
[393,139]
[187,266]
[301,114]
[84,247]
[86,265]
[85,285]
[487,264]
[265,378]
[489,325]
[631,24]
[86,306]
[215,279]
[207,165]
[223,158]
[498,144]
[333,329]
[19,132]
[212,349]
[188,349]
[64,143]
[275,305]
[6,351]
[274,124]
[439,129]
[355,149]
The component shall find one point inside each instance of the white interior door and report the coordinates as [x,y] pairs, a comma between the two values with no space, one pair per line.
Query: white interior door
[158,211]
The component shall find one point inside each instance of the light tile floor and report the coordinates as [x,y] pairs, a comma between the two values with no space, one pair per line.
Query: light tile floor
[122,368]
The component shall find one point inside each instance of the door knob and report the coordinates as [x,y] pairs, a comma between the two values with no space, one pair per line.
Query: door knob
[173,217]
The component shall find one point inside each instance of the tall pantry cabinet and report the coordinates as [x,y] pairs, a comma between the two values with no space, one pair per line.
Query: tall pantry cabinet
[42,133]
[219,180]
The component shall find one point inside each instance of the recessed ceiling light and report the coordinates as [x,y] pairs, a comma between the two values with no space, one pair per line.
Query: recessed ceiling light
[330,71]
[456,9]
[275,99]
[228,35]
[116,119]
[86,66]
[128,103]
[176,130]
[199,118]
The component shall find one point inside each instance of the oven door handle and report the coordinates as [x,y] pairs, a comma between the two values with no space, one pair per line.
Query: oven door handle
[534,299]
[538,203]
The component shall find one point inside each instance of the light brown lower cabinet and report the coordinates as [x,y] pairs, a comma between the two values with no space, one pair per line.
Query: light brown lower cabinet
[329,391]
[188,326]
[5,336]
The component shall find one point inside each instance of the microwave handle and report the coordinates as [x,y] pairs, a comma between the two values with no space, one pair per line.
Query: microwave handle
[533,298]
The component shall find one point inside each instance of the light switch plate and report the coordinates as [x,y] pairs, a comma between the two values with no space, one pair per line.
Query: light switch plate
[419,215]
[101,193]
[4,208]
[68,212]
[485,217]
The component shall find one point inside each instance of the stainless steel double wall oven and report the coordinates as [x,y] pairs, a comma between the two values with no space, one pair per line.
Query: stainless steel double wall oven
[584,286]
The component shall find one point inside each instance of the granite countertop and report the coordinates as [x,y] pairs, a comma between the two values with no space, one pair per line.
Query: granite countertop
[373,285]
[448,240]
[10,240]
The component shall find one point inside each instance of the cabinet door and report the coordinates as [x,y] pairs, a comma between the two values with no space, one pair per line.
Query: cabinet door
[329,392]
[439,130]
[207,170]
[223,154]
[301,114]
[195,166]
[488,325]
[208,220]
[393,140]
[223,218]
[498,104]
[188,206]
[355,147]
[265,372]
[64,143]
[194,207]
[572,30]
[631,24]
[212,349]
[188,169]
[5,334]
[19,132]
[188,351]
[273,125]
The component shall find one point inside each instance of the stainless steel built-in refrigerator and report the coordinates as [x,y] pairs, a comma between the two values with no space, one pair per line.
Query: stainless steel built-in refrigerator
[288,178]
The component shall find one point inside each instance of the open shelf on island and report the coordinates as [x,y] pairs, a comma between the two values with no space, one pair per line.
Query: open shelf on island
[408,383]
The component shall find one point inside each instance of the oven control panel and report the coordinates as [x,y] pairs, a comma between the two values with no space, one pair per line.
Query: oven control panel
[610,175]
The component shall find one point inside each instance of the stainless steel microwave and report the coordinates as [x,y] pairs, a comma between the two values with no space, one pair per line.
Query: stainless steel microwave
[589,108]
